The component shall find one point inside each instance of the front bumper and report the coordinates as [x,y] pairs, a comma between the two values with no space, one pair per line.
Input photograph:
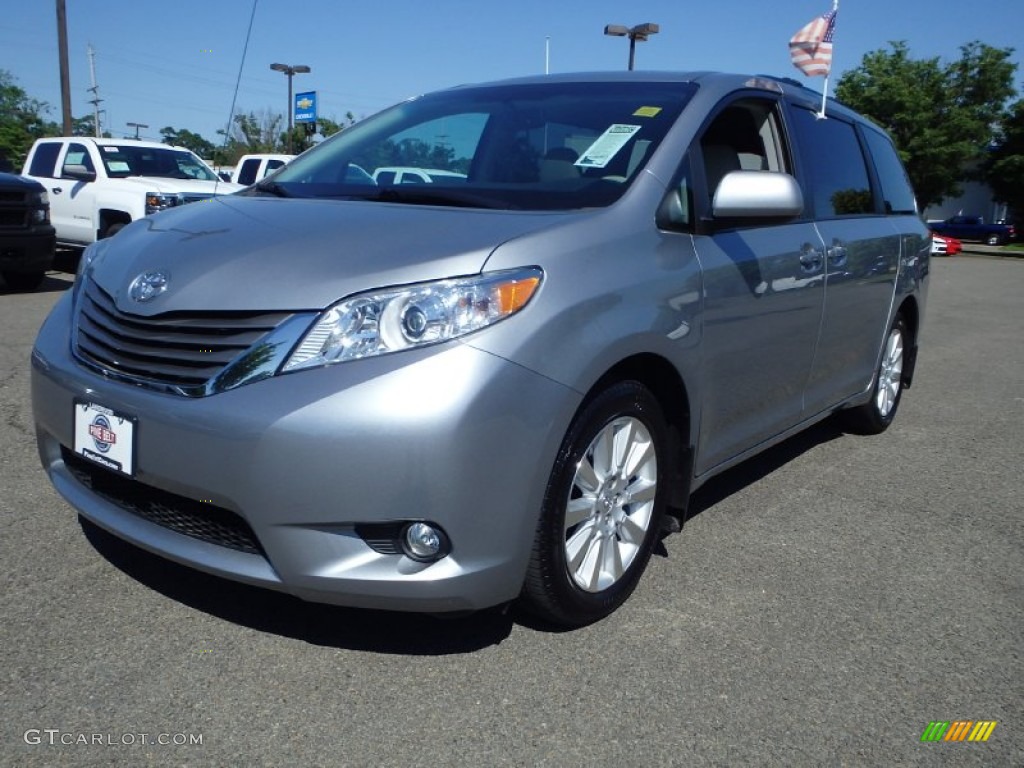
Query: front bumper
[449,434]
[27,251]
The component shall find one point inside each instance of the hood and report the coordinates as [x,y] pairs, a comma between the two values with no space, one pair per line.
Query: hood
[169,186]
[266,253]
[9,180]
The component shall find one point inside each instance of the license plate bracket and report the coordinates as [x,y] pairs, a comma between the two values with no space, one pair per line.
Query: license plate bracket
[105,436]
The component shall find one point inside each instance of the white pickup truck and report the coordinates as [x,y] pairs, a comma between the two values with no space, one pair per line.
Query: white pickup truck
[252,168]
[97,186]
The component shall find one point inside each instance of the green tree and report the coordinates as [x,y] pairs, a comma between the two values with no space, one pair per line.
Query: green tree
[1004,169]
[942,118]
[22,121]
[327,127]
[85,126]
[189,140]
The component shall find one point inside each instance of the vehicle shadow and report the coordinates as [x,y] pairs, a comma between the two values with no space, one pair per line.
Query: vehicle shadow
[268,611]
[52,283]
[763,464]
[265,610]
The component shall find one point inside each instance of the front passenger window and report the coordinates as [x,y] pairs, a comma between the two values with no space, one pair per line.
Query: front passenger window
[744,136]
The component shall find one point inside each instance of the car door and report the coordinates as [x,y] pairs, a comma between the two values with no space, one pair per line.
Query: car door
[76,217]
[763,294]
[862,249]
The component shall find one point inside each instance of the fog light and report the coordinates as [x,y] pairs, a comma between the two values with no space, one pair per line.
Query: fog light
[423,542]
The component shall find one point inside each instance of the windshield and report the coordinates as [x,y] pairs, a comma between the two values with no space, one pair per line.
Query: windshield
[544,146]
[130,160]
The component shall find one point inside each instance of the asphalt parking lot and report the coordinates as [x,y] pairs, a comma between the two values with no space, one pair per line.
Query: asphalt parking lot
[823,605]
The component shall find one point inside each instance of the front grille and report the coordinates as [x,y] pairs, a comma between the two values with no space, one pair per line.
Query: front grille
[175,349]
[206,522]
[11,196]
[12,218]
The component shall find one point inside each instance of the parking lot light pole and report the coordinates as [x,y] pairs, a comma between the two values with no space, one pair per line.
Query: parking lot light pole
[290,70]
[136,126]
[640,32]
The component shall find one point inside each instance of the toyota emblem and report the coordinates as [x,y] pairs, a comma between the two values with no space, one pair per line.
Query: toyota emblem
[149,285]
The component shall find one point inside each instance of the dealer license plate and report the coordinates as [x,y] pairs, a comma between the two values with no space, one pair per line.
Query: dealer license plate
[105,437]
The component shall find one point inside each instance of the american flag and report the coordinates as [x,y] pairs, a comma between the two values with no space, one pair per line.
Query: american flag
[811,47]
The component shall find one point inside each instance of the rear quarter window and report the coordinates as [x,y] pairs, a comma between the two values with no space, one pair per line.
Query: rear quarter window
[45,159]
[897,193]
[833,166]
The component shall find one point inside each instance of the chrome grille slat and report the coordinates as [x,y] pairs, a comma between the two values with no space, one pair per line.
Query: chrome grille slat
[163,348]
[171,349]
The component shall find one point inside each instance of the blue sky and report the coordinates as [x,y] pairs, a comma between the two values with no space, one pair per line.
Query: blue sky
[175,63]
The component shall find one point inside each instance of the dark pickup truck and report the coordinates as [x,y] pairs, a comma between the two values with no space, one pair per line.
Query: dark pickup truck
[27,238]
[974,228]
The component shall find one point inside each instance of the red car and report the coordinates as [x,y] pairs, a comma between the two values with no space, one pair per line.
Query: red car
[945,246]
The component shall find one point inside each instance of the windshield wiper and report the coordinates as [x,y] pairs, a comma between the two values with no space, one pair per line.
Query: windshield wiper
[424,195]
[273,188]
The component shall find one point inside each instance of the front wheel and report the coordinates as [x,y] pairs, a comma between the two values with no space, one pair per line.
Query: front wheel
[877,414]
[602,508]
[113,229]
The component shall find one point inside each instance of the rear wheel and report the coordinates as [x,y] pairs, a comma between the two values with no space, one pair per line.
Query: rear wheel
[877,414]
[602,509]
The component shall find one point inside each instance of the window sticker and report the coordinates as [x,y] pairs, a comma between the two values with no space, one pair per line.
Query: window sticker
[117,166]
[647,112]
[607,145]
[111,149]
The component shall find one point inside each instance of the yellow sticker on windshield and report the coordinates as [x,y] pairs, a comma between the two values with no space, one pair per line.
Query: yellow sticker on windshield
[647,112]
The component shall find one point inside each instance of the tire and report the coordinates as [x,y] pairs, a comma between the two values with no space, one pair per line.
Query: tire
[602,509]
[24,281]
[875,416]
[113,229]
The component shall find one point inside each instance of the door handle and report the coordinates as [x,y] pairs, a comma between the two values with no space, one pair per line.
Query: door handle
[57,190]
[837,254]
[810,259]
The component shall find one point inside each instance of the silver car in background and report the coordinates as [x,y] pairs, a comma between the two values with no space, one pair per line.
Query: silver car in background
[500,385]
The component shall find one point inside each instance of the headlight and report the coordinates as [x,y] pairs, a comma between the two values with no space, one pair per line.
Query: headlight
[40,203]
[389,320]
[156,201]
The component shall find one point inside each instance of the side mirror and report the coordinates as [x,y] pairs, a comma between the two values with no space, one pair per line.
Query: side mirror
[757,194]
[78,173]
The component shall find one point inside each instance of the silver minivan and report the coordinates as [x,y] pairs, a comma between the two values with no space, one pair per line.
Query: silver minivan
[500,386]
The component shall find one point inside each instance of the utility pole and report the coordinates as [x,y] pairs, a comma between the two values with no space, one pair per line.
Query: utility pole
[95,89]
[65,78]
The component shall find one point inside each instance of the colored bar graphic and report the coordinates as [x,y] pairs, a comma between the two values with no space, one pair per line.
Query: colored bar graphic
[958,730]
[982,730]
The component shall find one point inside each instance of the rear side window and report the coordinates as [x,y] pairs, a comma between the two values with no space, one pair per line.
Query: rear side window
[833,166]
[45,159]
[896,190]
[247,175]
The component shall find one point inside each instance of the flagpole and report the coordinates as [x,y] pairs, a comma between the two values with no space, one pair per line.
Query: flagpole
[824,92]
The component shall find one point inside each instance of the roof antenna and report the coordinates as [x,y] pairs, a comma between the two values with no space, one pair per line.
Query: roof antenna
[238,80]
